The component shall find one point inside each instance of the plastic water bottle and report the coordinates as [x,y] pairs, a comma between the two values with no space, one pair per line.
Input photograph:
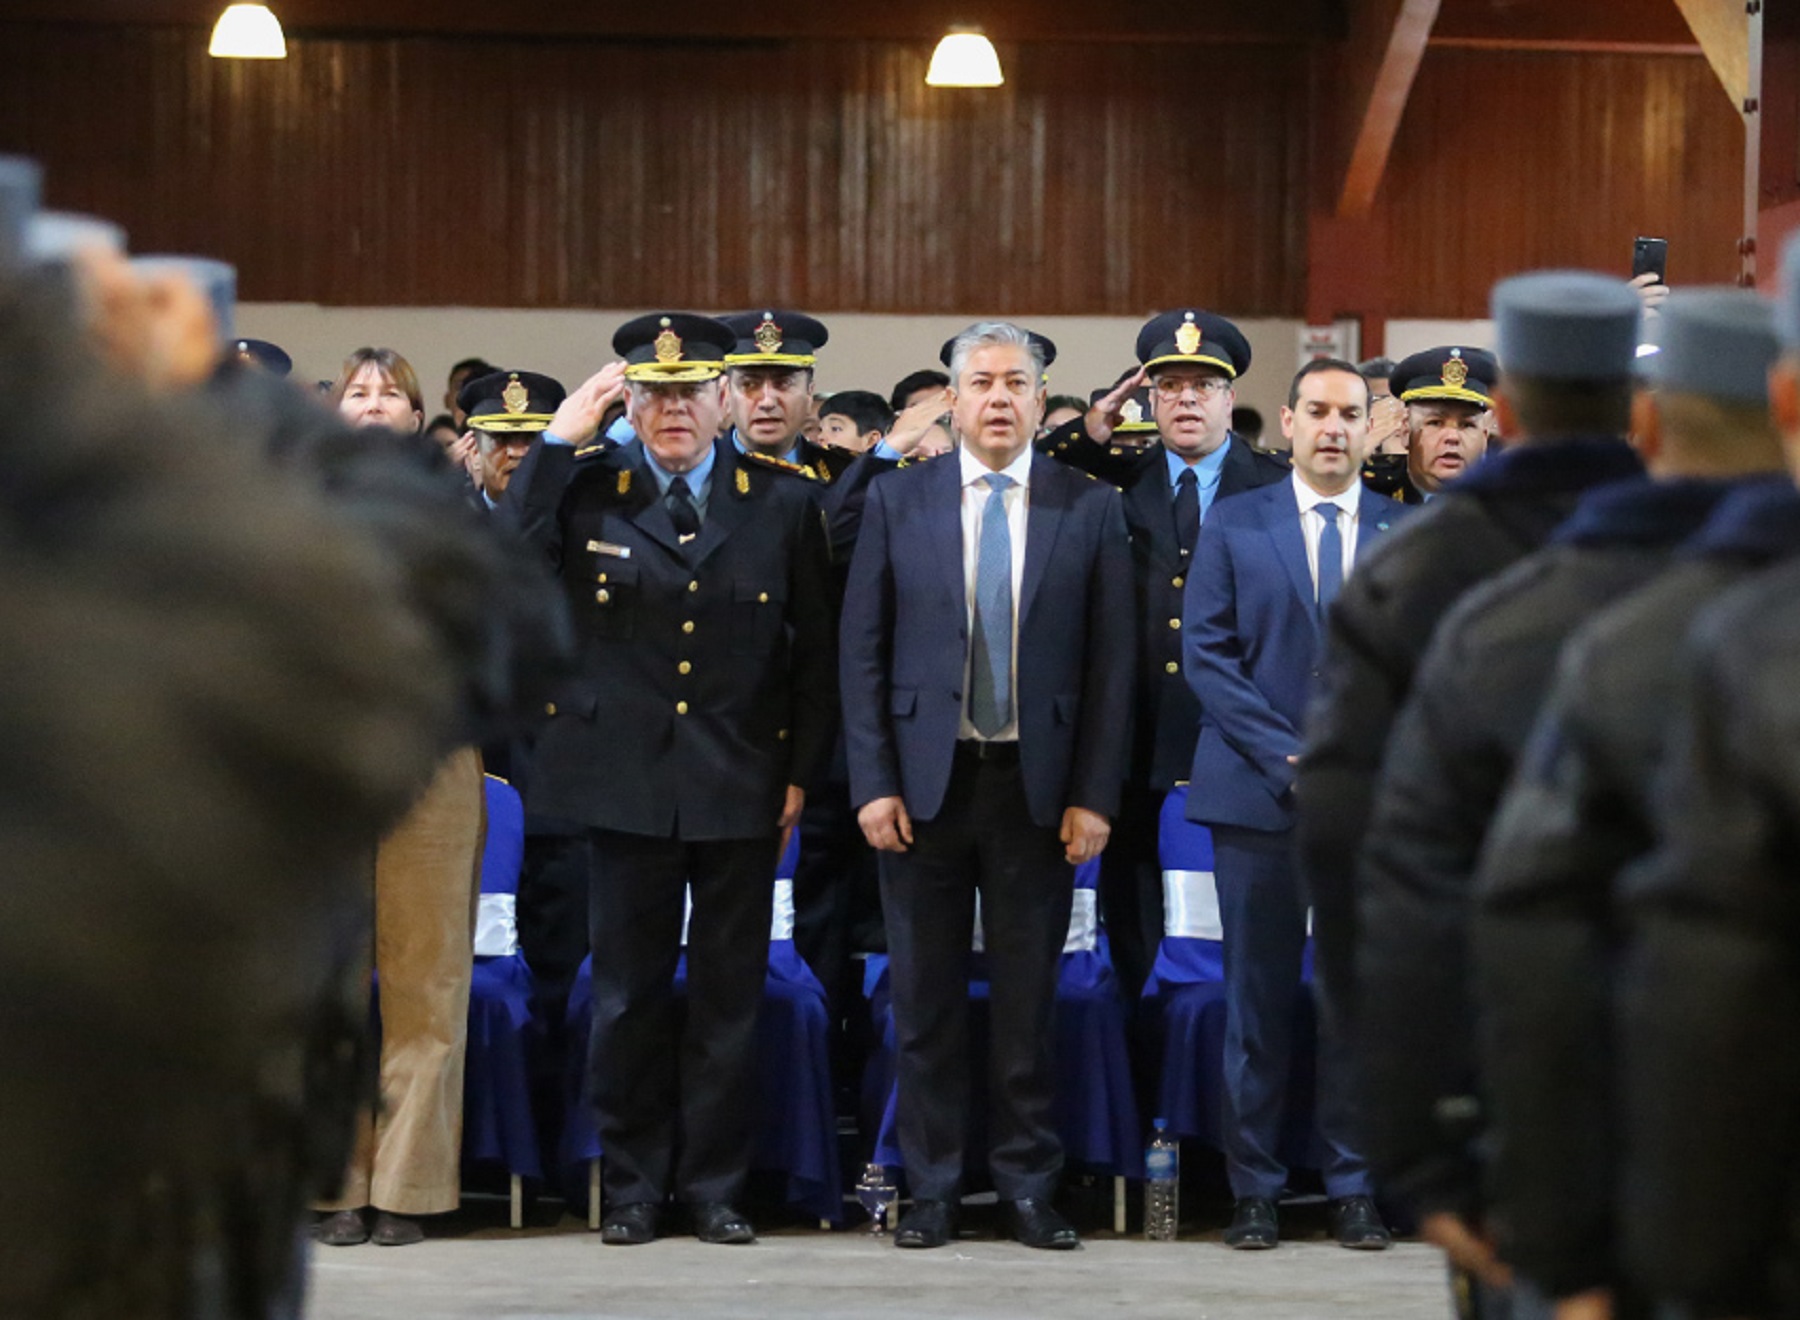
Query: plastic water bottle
[877,1193]
[1162,1184]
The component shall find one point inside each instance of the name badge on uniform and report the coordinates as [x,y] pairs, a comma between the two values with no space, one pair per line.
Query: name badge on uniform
[608,548]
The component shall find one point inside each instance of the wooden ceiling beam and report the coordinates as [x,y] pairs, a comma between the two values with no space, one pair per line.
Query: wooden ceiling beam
[1723,30]
[1380,60]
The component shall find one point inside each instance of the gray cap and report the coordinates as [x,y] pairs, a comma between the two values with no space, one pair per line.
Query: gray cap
[1718,342]
[217,280]
[1787,301]
[1566,325]
[56,236]
[21,185]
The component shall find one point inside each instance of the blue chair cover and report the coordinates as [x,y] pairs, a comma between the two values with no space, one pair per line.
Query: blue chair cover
[498,1128]
[796,1125]
[1096,1107]
[1184,999]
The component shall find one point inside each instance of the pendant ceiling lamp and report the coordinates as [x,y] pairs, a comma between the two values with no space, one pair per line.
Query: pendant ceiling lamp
[247,32]
[964,58]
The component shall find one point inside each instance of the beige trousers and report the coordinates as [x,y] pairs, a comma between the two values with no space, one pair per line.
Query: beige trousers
[427,884]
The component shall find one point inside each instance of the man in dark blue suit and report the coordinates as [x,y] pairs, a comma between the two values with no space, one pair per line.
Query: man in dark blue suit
[1266,568]
[987,662]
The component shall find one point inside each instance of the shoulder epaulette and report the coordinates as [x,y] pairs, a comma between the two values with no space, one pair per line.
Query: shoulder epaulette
[780,464]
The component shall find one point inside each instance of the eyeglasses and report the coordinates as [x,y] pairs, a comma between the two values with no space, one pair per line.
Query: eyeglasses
[1173,387]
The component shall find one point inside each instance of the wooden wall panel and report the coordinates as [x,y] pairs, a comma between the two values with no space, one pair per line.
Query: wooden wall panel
[1111,179]
[819,174]
[1509,162]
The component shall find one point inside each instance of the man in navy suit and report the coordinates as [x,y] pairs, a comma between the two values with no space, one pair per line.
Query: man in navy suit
[987,663]
[1267,566]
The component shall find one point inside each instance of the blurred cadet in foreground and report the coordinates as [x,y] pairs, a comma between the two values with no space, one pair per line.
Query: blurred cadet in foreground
[227,677]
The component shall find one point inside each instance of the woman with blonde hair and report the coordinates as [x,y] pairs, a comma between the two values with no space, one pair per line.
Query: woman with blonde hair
[406,1161]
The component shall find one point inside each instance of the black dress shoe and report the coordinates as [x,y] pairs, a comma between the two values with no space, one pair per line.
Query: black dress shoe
[396,1230]
[1356,1223]
[346,1228]
[629,1225]
[1253,1225]
[716,1221]
[1036,1224]
[927,1224]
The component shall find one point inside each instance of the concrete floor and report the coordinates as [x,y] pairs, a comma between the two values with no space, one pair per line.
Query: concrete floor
[563,1272]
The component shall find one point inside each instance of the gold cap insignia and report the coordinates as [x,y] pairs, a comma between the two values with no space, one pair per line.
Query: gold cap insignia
[767,335]
[743,482]
[668,344]
[1456,371]
[1132,413]
[1188,337]
[515,396]
[625,482]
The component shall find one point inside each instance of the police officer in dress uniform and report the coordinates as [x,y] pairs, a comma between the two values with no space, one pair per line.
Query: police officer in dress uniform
[1453,750]
[1580,810]
[704,698]
[1188,360]
[506,410]
[1446,407]
[771,389]
[770,375]
[1556,323]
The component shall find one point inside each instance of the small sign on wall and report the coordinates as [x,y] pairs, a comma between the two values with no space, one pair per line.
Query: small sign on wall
[1340,339]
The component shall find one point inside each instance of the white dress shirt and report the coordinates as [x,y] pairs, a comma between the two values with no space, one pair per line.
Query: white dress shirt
[975,495]
[1312,523]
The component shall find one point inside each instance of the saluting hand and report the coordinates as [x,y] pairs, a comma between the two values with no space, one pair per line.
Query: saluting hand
[1084,834]
[465,452]
[1110,411]
[914,423]
[886,825]
[577,420]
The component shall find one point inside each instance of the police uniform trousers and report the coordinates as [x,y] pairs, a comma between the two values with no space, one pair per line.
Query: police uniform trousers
[407,1158]
[1264,918]
[982,839]
[675,1100]
[1131,886]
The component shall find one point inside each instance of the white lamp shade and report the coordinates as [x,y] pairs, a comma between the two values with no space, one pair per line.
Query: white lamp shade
[964,59]
[248,32]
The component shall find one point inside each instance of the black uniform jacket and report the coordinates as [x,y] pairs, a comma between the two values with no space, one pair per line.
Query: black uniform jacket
[1709,980]
[706,675]
[1454,745]
[1166,712]
[1544,928]
[1377,631]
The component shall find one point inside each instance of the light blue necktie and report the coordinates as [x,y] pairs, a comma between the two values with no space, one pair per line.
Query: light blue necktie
[1331,556]
[990,657]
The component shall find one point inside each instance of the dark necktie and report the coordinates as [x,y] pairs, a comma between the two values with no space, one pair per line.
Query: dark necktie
[1331,556]
[681,509]
[1187,510]
[990,664]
